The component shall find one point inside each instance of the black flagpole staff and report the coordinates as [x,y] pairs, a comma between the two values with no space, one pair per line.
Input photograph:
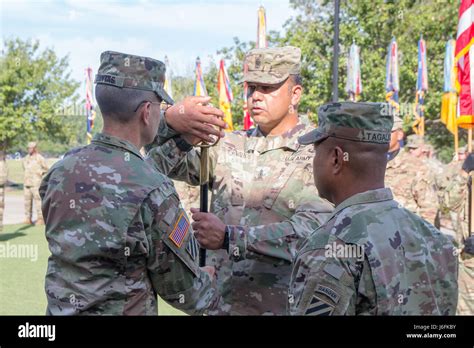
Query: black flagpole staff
[204,189]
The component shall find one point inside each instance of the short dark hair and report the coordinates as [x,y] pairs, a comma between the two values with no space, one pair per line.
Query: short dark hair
[119,104]
[296,79]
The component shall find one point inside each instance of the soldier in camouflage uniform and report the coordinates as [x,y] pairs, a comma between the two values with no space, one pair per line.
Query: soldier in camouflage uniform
[263,196]
[3,184]
[372,256]
[117,232]
[34,166]
[453,200]
[188,195]
[410,175]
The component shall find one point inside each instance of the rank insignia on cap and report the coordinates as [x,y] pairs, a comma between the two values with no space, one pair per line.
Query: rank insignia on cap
[180,230]
[319,307]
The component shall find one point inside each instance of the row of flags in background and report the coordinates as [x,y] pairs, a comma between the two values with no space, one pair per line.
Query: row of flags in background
[223,83]
[457,109]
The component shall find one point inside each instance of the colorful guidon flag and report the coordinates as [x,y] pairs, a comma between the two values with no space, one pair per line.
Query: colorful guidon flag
[90,112]
[353,84]
[199,87]
[450,99]
[391,81]
[167,86]
[421,88]
[225,95]
[261,43]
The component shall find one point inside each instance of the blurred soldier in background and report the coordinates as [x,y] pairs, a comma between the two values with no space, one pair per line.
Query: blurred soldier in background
[3,185]
[35,167]
[453,195]
[410,174]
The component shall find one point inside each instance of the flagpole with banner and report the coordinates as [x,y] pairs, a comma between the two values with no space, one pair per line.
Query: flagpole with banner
[354,84]
[168,85]
[391,81]
[421,88]
[449,101]
[225,95]
[261,43]
[464,60]
[90,112]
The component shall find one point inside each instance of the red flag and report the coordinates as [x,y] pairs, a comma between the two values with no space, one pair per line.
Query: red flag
[463,57]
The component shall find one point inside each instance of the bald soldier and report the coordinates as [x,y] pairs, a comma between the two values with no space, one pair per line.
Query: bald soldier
[34,166]
[117,232]
[263,196]
[372,256]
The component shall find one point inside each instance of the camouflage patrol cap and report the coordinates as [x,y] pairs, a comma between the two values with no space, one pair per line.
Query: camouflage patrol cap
[362,122]
[128,71]
[32,144]
[414,141]
[271,66]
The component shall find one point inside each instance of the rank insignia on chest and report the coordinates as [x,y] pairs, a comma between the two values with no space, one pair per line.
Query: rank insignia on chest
[180,230]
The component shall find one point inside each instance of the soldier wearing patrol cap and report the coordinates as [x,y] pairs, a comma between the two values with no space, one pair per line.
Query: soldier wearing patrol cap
[34,166]
[263,196]
[372,256]
[117,233]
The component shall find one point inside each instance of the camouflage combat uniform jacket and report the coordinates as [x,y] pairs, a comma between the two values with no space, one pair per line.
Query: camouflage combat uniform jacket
[35,167]
[404,265]
[263,190]
[118,236]
[412,181]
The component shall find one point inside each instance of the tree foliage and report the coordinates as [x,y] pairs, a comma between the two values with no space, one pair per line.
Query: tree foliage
[371,24]
[34,84]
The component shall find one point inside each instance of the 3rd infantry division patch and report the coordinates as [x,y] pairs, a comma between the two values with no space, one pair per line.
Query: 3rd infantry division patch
[319,307]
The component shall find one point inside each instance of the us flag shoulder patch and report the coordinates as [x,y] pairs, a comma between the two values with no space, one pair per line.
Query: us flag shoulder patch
[319,307]
[180,230]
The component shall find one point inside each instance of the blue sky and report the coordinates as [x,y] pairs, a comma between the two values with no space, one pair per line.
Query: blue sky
[182,29]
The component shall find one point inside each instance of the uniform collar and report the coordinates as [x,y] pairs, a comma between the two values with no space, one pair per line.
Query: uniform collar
[288,139]
[110,140]
[371,196]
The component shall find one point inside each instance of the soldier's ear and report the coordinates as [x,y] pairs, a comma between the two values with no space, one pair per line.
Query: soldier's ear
[145,113]
[337,157]
[296,91]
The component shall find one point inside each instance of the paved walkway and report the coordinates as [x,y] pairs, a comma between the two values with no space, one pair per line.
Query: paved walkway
[14,212]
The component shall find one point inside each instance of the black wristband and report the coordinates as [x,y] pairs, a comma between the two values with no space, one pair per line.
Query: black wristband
[182,144]
[226,243]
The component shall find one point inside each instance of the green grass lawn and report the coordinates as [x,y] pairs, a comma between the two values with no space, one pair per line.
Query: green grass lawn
[22,279]
[15,169]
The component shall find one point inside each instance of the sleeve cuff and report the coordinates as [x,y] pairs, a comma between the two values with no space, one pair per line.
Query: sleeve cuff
[165,132]
[237,242]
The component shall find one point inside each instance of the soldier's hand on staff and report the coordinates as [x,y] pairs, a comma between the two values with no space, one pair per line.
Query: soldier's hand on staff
[193,117]
[209,230]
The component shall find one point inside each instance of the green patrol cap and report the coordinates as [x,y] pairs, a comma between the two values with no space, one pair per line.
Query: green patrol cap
[128,71]
[362,122]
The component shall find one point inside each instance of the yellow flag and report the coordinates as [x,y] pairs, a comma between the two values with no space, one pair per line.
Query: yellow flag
[225,96]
